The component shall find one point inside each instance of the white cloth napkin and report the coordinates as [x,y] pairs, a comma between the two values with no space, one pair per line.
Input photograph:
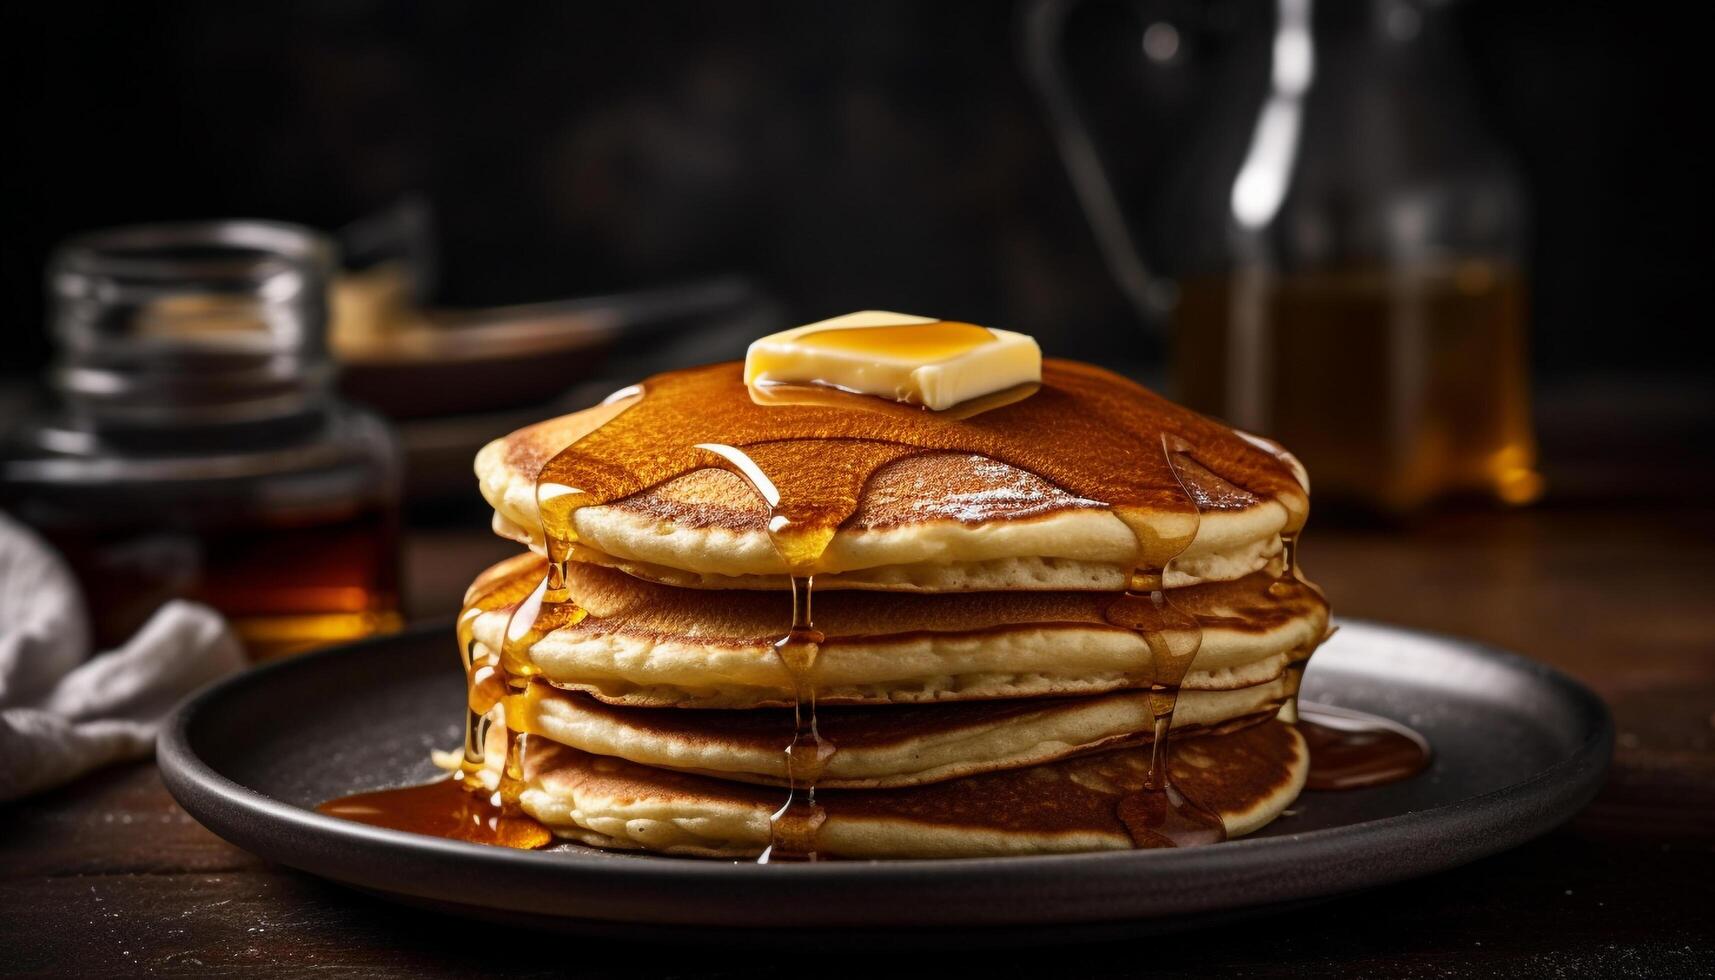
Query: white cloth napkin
[63,712]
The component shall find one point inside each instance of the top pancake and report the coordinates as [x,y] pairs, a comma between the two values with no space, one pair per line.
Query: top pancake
[927,518]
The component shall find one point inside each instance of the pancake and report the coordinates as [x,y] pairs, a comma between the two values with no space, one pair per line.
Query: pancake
[938,521]
[1247,777]
[925,517]
[882,746]
[1232,546]
[650,645]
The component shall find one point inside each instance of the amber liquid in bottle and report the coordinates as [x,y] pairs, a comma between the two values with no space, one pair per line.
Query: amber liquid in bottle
[1394,386]
[285,582]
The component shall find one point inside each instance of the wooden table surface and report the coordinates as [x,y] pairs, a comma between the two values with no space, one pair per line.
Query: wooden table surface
[109,876]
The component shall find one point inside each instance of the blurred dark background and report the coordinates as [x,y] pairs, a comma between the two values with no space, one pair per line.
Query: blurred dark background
[843,155]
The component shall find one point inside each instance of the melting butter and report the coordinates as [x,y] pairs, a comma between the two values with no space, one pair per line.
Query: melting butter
[912,359]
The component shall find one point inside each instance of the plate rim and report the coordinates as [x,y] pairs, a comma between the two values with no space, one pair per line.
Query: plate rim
[1067,885]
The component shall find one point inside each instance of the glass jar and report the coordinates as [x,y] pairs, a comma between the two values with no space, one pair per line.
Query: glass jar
[1340,234]
[191,445]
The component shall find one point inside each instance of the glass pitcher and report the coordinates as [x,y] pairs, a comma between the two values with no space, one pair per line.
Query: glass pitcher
[1320,221]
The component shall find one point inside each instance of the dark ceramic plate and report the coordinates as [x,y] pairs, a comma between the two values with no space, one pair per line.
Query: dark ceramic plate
[1518,749]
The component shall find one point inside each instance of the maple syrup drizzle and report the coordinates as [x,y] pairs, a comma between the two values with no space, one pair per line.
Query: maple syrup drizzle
[1079,430]
[464,805]
[1348,749]
[1355,750]
[505,676]
[444,808]
[1288,586]
[792,828]
[1159,814]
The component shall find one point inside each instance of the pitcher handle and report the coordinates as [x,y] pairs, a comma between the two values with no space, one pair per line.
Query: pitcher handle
[1041,28]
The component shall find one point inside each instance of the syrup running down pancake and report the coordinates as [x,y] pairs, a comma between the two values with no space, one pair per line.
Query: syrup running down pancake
[644,644]
[1244,778]
[886,746]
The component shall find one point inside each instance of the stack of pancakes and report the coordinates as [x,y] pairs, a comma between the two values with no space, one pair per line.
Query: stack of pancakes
[970,687]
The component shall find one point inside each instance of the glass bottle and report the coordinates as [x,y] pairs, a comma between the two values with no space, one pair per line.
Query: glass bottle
[192,447]
[1344,250]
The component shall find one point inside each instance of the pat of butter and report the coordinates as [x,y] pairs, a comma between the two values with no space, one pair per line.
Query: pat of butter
[913,359]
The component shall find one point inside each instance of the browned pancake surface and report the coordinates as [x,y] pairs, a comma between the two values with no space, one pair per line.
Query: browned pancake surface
[848,726]
[619,603]
[1228,773]
[961,487]
[1093,429]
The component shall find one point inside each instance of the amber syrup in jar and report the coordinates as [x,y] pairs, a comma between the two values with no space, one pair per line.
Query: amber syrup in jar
[190,446]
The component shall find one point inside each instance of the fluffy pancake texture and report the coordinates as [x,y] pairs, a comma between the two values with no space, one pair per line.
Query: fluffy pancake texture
[886,746]
[645,644]
[935,521]
[1247,777]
